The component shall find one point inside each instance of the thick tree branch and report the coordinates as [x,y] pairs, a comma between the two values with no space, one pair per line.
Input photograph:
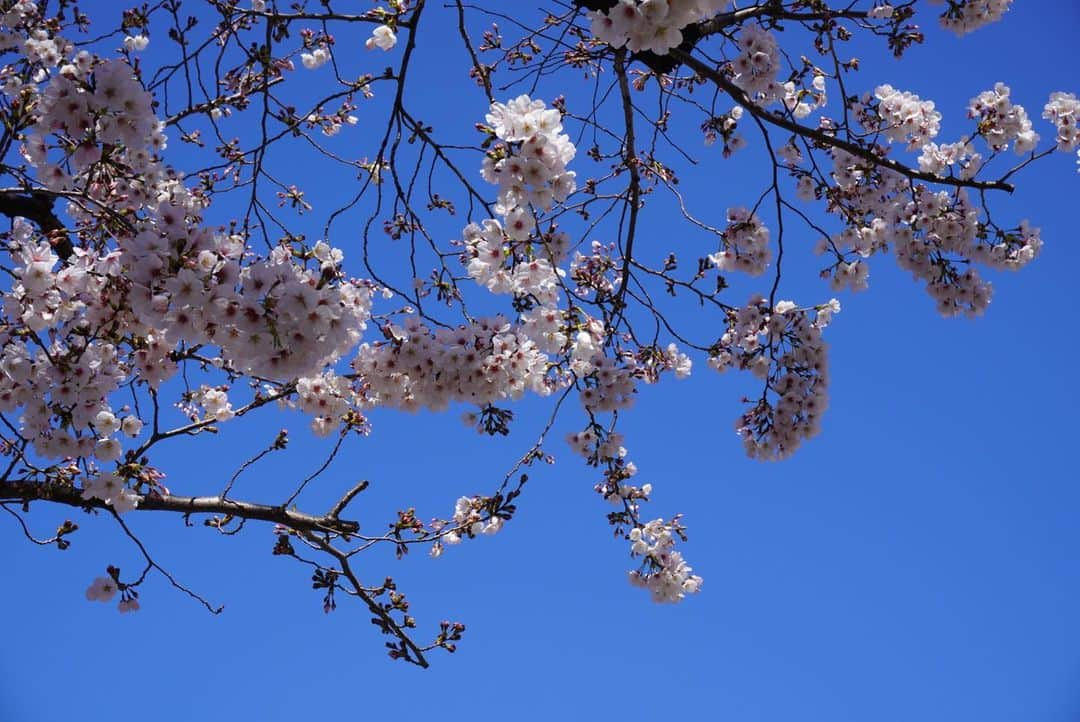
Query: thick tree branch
[37,207]
[70,496]
[822,138]
[630,162]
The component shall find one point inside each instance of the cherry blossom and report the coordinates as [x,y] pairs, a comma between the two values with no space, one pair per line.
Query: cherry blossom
[383,38]
[967,16]
[653,25]
[1001,122]
[103,589]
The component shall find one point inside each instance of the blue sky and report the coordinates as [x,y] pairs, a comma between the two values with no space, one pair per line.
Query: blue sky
[919,560]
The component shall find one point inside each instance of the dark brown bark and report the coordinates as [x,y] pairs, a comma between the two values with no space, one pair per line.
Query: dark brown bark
[37,207]
[27,492]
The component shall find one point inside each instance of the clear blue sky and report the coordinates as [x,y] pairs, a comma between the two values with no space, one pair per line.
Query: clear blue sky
[919,560]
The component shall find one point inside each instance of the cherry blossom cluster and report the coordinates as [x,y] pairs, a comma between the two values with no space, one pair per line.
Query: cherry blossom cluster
[966,16]
[1008,250]
[933,233]
[20,15]
[136,43]
[676,361]
[651,25]
[119,314]
[214,400]
[512,257]
[200,301]
[757,64]
[609,386]
[882,10]
[783,347]
[802,101]
[663,570]
[104,589]
[505,265]
[272,317]
[586,344]
[94,107]
[283,320]
[22,29]
[859,191]
[940,158]
[111,489]
[471,517]
[415,367]
[865,240]
[509,260]
[609,380]
[547,327]
[63,392]
[851,275]
[1063,110]
[318,57]
[35,300]
[790,153]
[585,443]
[902,116]
[1001,122]
[530,166]
[154,361]
[327,397]
[947,225]
[745,244]
[936,237]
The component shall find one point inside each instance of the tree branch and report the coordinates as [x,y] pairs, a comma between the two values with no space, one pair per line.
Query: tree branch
[633,189]
[59,494]
[824,139]
[37,207]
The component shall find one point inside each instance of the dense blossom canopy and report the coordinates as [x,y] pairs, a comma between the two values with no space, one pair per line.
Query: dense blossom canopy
[158,285]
